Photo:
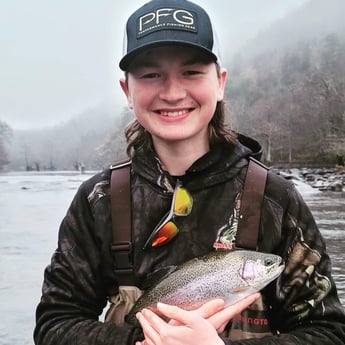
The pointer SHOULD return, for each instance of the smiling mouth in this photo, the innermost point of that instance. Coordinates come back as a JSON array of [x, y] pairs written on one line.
[[174, 113]]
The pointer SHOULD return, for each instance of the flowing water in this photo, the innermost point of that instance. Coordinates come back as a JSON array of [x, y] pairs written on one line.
[[328, 209], [31, 208]]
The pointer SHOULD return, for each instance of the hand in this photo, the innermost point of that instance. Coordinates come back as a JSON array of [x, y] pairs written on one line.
[[199, 326], [190, 328]]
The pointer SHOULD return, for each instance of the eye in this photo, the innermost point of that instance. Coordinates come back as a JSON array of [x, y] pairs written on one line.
[[192, 72], [268, 262], [150, 75]]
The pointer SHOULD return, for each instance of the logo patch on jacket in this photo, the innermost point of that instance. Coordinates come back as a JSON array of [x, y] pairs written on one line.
[[226, 235]]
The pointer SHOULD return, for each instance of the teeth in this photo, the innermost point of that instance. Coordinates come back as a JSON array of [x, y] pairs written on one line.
[[174, 113]]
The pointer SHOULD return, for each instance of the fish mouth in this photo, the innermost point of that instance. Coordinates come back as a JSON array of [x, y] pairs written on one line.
[[280, 270], [275, 272]]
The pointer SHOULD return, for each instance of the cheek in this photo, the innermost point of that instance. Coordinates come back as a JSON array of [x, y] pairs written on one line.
[[141, 97], [210, 94], [138, 96]]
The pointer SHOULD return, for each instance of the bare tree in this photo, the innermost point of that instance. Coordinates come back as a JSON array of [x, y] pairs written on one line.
[[5, 136]]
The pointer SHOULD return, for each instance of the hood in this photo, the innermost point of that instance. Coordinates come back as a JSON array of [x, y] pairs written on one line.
[[221, 163], [252, 144]]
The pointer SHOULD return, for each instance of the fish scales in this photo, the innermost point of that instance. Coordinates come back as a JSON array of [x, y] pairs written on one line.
[[230, 275]]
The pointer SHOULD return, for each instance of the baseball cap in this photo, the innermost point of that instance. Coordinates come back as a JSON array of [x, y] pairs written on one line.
[[168, 22]]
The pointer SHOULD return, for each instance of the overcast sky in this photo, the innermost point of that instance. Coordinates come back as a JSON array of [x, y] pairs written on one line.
[[58, 58]]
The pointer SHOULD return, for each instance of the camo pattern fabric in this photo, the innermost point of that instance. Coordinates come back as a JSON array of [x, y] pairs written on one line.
[[302, 306]]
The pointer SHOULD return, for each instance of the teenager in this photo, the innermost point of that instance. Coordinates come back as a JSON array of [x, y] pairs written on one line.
[[174, 83]]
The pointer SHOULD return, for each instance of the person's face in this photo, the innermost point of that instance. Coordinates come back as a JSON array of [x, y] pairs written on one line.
[[173, 92]]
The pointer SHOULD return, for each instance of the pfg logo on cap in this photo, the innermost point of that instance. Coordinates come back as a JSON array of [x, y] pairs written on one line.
[[166, 18]]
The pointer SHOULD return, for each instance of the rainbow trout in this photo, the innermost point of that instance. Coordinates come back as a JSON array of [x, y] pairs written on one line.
[[230, 275]]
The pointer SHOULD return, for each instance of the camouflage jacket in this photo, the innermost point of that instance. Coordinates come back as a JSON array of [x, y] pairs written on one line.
[[301, 307]]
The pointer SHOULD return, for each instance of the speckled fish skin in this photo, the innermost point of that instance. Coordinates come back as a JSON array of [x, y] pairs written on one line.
[[230, 275]]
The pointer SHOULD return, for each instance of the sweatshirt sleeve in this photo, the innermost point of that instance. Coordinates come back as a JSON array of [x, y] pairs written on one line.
[[304, 307], [76, 283]]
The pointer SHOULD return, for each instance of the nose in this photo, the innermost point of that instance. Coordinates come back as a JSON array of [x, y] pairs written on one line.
[[172, 89]]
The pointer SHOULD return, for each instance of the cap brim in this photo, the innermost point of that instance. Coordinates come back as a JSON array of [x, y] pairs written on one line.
[[128, 58]]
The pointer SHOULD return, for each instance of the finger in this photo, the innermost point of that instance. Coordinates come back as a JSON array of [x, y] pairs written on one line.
[[210, 308], [153, 318], [205, 311], [245, 302], [177, 314], [174, 323], [150, 333], [229, 312], [221, 328]]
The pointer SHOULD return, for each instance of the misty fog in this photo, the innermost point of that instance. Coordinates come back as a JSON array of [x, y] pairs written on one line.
[[289, 64]]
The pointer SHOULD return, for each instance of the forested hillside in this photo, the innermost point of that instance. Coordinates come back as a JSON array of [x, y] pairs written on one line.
[[93, 139], [293, 101]]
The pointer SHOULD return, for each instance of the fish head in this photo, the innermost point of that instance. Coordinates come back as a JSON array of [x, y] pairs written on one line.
[[261, 269]]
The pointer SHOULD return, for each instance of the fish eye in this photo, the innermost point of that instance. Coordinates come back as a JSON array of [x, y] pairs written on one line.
[[268, 262]]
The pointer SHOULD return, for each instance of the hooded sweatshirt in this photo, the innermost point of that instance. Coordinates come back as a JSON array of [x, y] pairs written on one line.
[[301, 307]]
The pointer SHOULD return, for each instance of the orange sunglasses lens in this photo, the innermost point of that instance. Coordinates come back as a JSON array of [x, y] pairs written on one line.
[[166, 233]]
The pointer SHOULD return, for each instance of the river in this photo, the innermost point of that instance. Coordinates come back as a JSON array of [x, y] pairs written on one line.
[[328, 209], [31, 208]]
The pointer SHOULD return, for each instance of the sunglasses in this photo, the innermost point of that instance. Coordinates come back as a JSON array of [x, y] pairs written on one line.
[[167, 229]]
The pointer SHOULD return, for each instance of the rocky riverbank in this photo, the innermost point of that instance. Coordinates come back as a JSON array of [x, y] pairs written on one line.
[[323, 179]]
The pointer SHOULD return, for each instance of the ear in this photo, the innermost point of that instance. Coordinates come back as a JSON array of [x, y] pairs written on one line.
[[222, 83], [124, 87]]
